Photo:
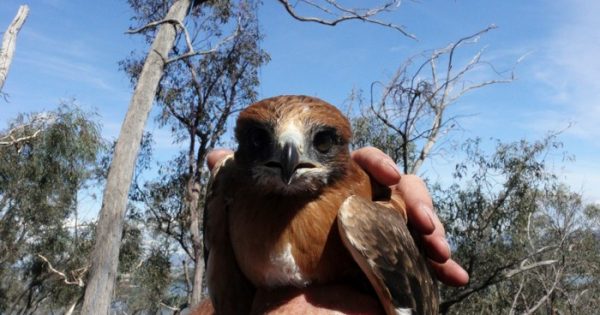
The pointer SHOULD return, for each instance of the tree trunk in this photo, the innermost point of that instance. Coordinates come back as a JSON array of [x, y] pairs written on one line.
[[9, 42], [193, 199], [105, 256]]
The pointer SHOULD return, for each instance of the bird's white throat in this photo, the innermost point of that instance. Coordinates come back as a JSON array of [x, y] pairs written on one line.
[[283, 270]]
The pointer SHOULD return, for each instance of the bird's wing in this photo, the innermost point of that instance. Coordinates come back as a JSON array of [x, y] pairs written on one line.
[[229, 290], [381, 244]]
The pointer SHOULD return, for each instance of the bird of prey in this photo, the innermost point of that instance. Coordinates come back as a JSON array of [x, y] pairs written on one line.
[[290, 208]]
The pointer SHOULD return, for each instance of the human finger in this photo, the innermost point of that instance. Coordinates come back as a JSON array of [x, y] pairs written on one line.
[[450, 273], [377, 164], [419, 210], [213, 157], [419, 207]]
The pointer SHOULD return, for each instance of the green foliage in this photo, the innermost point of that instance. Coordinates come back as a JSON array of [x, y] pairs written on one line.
[[52, 158], [151, 280], [520, 234], [370, 131], [131, 248]]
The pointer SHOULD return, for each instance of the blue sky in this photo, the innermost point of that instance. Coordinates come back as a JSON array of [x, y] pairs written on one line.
[[70, 49]]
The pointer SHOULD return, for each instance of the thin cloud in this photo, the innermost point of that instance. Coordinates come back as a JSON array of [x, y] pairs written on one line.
[[67, 69], [569, 69], [60, 47], [66, 59]]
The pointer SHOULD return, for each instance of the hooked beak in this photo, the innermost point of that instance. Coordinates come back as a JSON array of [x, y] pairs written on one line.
[[290, 158], [289, 161]]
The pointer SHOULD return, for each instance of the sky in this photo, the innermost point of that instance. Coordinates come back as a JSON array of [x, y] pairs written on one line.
[[70, 50]]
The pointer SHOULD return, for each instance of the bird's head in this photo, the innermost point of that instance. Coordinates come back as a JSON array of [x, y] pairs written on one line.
[[292, 144]]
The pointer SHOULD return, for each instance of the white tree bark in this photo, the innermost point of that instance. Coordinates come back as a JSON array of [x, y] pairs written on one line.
[[9, 42], [105, 256]]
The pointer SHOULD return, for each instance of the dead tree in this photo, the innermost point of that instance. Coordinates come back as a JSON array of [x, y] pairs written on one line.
[[9, 42], [105, 256], [412, 106]]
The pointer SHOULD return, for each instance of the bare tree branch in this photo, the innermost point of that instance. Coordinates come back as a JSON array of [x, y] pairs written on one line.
[[412, 105], [516, 297], [500, 274], [12, 140], [38, 123], [523, 267], [346, 14], [191, 51], [71, 308], [157, 23], [172, 308], [77, 274], [549, 292]]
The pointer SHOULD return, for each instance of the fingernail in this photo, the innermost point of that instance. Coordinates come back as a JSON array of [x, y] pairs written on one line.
[[392, 166], [428, 211], [447, 247]]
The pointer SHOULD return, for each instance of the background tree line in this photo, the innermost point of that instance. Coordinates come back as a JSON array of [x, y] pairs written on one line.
[[528, 241]]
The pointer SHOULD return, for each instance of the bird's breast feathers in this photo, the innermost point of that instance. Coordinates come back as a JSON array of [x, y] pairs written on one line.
[[286, 240]]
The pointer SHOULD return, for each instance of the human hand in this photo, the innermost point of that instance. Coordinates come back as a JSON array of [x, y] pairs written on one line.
[[419, 211]]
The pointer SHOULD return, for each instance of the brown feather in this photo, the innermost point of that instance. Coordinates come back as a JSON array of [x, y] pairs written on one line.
[[379, 240]]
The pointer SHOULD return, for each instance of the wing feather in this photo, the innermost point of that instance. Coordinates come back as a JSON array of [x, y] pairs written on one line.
[[380, 242]]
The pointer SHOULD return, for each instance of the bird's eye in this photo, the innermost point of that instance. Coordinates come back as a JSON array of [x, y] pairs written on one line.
[[324, 140], [259, 138]]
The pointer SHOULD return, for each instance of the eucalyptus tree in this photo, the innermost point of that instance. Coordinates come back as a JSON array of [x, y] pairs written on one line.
[[525, 239], [51, 158]]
